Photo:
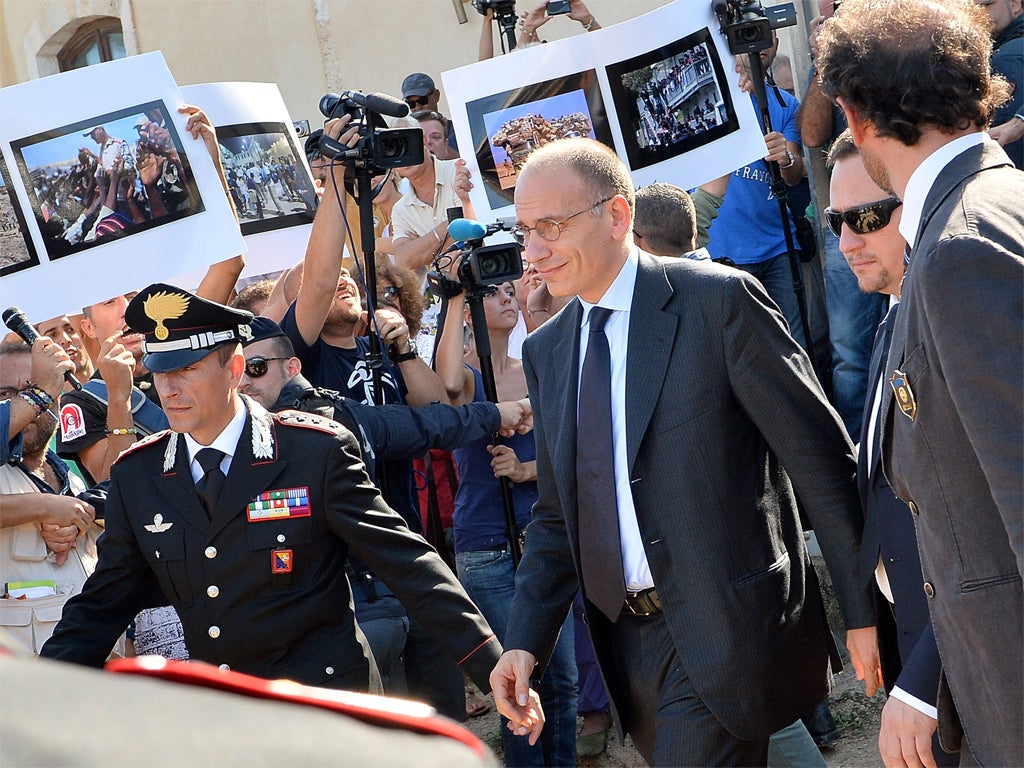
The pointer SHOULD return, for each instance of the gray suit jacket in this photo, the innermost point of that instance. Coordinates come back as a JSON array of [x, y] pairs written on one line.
[[719, 399], [960, 461]]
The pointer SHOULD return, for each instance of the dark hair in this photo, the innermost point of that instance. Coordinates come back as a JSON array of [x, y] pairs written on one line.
[[410, 296], [14, 347], [428, 114], [841, 148], [281, 346], [904, 64], [665, 218]]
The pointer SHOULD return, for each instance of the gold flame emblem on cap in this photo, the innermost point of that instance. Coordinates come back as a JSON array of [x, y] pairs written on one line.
[[164, 306]]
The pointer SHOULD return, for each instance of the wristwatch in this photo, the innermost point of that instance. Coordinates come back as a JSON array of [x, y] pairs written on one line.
[[410, 354], [792, 160]]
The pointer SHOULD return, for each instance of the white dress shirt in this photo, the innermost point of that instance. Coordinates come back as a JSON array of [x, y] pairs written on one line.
[[618, 298], [226, 442]]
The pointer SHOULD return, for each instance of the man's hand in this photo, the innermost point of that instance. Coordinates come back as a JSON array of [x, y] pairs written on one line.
[[65, 511], [462, 183], [863, 647], [1008, 132], [59, 539], [506, 464], [777, 145], [905, 738], [510, 685], [516, 416], [49, 362], [391, 326], [117, 366]]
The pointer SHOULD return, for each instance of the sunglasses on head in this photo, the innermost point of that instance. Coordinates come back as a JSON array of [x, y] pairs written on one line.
[[863, 219], [417, 101], [255, 367]]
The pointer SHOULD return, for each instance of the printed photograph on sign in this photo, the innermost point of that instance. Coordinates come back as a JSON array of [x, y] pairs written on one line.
[[508, 126], [671, 100], [106, 178], [17, 251], [514, 133], [270, 187]]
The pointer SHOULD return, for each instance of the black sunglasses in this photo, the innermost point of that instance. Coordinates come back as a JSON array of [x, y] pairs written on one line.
[[257, 366], [863, 219], [417, 101]]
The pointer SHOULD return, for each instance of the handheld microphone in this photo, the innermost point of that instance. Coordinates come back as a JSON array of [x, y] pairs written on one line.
[[15, 319], [380, 103], [467, 229]]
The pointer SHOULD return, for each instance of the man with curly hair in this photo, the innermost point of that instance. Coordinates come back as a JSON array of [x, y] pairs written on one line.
[[914, 81]]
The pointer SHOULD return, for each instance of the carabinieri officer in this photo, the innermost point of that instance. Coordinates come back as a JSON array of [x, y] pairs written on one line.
[[242, 520]]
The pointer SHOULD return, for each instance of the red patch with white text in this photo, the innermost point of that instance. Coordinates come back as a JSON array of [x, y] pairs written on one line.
[[72, 423], [281, 561]]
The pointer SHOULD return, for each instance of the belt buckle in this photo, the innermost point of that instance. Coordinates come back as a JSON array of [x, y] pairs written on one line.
[[643, 603]]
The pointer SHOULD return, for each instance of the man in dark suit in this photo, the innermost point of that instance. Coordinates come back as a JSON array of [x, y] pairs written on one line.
[[244, 520], [699, 594], [865, 220], [952, 436]]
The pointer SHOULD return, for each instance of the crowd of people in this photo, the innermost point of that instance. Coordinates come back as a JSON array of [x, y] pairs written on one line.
[[586, 490]]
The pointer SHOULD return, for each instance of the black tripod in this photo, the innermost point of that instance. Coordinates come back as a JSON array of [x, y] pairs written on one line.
[[482, 341], [780, 192]]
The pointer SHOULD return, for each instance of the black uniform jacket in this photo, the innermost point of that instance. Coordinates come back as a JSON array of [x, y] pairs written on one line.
[[261, 590]]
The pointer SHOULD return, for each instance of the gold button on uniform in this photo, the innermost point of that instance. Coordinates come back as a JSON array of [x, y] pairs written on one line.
[[929, 589], [214, 632], [211, 552], [913, 508], [213, 590]]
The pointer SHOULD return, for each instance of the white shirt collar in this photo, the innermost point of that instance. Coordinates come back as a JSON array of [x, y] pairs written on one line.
[[619, 295], [226, 441], [923, 178]]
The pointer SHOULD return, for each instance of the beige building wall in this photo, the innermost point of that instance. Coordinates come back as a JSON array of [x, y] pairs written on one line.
[[307, 47]]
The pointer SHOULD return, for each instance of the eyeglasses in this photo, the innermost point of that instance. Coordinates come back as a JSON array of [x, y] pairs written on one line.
[[388, 295], [863, 219], [255, 367], [549, 229], [417, 101]]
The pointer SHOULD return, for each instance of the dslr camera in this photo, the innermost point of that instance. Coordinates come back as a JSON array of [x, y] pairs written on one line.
[[748, 25], [380, 148]]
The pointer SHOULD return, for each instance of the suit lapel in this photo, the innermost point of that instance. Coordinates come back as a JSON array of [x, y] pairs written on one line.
[[651, 335], [254, 467]]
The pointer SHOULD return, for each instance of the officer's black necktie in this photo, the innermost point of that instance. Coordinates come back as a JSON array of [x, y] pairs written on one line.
[[210, 483], [600, 553]]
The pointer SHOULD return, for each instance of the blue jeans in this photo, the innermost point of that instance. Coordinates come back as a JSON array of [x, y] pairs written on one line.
[[489, 579], [853, 318], [776, 276]]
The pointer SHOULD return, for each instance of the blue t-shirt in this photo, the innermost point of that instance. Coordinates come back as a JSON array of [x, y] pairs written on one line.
[[749, 227], [479, 516], [346, 371]]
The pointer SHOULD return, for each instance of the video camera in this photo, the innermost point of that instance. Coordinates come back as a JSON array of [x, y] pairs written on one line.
[[748, 25], [481, 267], [380, 148], [504, 13]]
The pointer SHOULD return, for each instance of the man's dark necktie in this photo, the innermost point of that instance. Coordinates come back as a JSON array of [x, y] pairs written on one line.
[[210, 483], [600, 553]]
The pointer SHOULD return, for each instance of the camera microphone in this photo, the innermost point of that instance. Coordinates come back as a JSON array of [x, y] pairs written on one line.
[[380, 103], [467, 229], [15, 319]]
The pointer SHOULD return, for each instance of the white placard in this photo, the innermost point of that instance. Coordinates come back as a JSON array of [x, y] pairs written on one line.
[[660, 89], [181, 222], [256, 133]]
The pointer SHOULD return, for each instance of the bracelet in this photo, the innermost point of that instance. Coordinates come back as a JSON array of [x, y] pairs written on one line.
[[439, 240], [30, 398], [128, 431], [590, 23]]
